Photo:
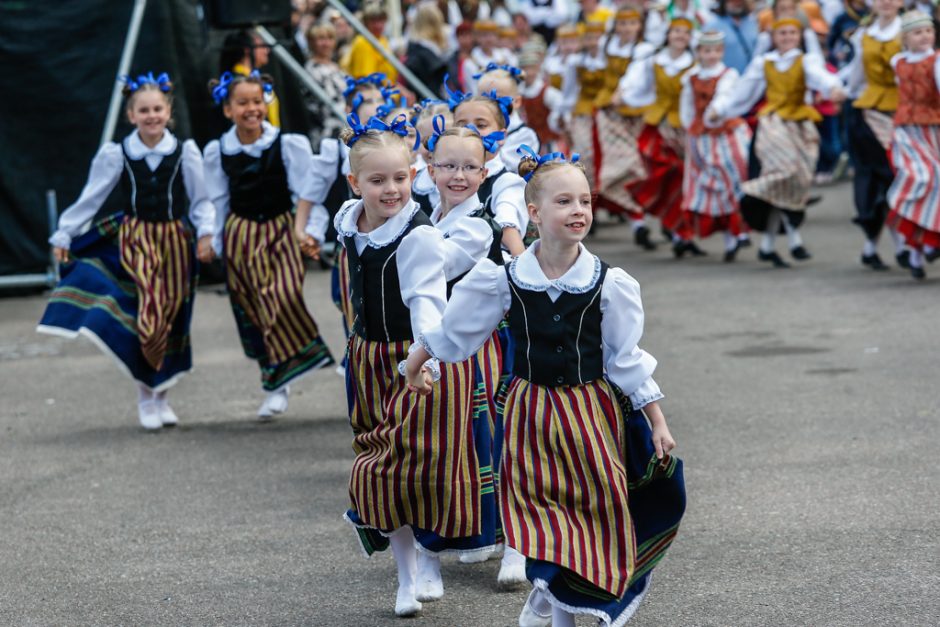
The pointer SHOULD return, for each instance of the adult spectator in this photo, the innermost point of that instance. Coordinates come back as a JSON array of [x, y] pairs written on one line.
[[545, 15], [321, 41], [426, 54], [242, 52], [363, 58], [735, 19]]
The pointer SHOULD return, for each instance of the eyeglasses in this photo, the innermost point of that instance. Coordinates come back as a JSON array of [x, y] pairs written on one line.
[[450, 168]]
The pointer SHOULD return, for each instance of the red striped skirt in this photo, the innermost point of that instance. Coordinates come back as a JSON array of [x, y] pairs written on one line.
[[415, 460], [914, 196], [158, 256], [660, 193], [563, 484]]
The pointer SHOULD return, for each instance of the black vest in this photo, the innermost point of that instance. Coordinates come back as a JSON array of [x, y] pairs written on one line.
[[155, 195], [557, 343], [495, 253], [424, 201], [486, 191], [380, 313], [258, 187]]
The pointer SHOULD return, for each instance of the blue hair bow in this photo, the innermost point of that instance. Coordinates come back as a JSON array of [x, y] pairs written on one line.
[[220, 91], [527, 153], [162, 81], [491, 141], [504, 102], [399, 126], [513, 71], [376, 78], [454, 98], [438, 123]]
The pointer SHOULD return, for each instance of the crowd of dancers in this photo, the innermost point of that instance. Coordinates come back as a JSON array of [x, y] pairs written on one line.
[[499, 399]]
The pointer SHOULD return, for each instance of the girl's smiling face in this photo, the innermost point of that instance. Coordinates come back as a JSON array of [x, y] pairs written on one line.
[[678, 38], [457, 169], [786, 38], [920, 39], [481, 115], [563, 214], [627, 30], [246, 107], [383, 180], [150, 113]]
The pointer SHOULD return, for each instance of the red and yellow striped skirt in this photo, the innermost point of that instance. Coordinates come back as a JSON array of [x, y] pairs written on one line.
[[415, 460], [563, 483], [158, 256]]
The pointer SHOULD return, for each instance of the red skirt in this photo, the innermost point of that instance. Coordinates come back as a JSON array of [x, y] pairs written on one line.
[[660, 193]]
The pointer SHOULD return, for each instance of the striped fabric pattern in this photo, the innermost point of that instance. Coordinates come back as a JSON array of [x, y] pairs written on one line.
[[881, 125], [345, 299], [563, 487], [787, 151], [158, 256], [660, 193], [619, 161], [415, 459], [715, 166], [915, 193], [582, 134], [265, 274]]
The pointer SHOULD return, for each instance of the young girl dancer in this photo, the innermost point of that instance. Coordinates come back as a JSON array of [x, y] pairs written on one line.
[[655, 84], [619, 126], [588, 492], [503, 82], [255, 175], [716, 155], [424, 191], [871, 82], [416, 474], [502, 192], [914, 197], [539, 100], [786, 140], [130, 281]]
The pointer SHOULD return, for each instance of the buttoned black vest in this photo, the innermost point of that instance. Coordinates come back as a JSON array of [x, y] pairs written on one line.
[[258, 187], [155, 195], [380, 313], [486, 191], [557, 343], [495, 253]]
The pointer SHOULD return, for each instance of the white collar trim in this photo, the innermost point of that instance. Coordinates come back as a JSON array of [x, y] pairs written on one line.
[[886, 33], [580, 277], [382, 236], [231, 146], [137, 149], [673, 66], [460, 211]]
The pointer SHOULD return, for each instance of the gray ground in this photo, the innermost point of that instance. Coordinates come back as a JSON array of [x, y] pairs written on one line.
[[804, 402]]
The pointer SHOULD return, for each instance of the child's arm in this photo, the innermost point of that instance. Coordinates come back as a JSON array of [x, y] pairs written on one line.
[[637, 88], [687, 102], [217, 190], [747, 92], [201, 209], [509, 211], [818, 78], [310, 225], [662, 438], [102, 177]]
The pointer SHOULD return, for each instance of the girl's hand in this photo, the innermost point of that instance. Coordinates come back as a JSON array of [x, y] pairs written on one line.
[[308, 245], [663, 441], [204, 252], [417, 376], [61, 254], [420, 384], [837, 96], [712, 118]]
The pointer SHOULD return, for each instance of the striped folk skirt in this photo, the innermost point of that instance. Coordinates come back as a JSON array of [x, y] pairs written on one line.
[[340, 289], [584, 497], [914, 196], [660, 193], [865, 132], [130, 289], [619, 162], [715, 166], [787, 152], [265, 275], [583, 138], [416, 463]]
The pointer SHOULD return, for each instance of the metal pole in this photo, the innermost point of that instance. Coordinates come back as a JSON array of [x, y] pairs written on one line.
[[51, 277], [52, 212], [130, 45], [417, 85], [284, 55]]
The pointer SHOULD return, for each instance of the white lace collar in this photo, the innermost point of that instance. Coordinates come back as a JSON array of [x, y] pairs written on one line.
[[711, 72], [347, 225], [776, 55], [886, 33], [580, 278], [460, 211], [670, 65], [137, 149], [231, 145], [915, 57], [635, 49]]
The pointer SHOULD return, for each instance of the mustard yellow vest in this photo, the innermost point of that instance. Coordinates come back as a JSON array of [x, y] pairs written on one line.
[[616, 68], [786, 93], [666, 105], [592, 82], [881, 92]]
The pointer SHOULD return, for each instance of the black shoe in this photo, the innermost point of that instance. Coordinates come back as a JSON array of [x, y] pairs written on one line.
[[918, 273], [680, 248], [933, 255], [874, 262], [774, 258], [744, 243], [694, 250], [642, 238], [904, 259], [812, 200], [800, 254], [667, 234], [730, 255]]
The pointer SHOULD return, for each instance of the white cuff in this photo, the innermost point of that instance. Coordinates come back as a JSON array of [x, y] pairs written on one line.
[[647, 393], [61, 239]]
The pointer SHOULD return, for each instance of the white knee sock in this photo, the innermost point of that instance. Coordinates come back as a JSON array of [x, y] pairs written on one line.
[[898, 240], [637, 224], [561, 618], [917, 258], [406, 559], [870, 247], [770, 234], [731, 242], [144, 393], [160, 397], [793, 234]]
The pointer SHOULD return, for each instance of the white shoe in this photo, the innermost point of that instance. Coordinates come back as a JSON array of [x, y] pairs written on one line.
[[475, 557], [167, 415], [430, 586], [511, 570], [406, 604], [149, 415], [274, 403], [530, 618], [341, 371]]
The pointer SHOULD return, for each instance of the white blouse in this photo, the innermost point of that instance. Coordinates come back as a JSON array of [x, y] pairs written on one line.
[[916, 57], [298, 161], [517, 134], [106, 169], [423, 286], [424, 184], [752, 85], [638, 85], [485, 292], [462, 240], [508, 197], [633, 50], [726, 84], [853, 74]]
